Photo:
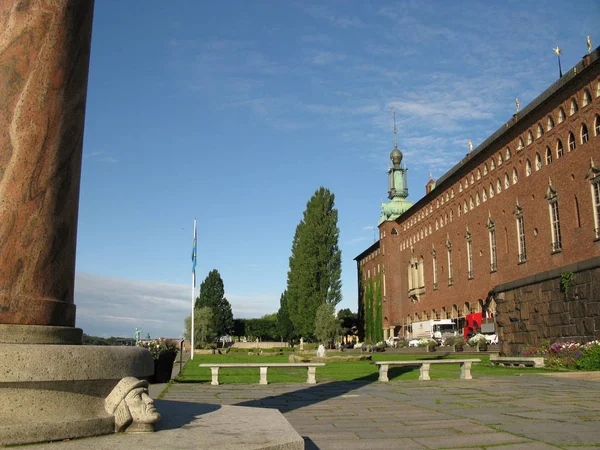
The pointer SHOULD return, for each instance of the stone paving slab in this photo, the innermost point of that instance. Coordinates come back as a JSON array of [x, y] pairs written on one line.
[[508, 413]]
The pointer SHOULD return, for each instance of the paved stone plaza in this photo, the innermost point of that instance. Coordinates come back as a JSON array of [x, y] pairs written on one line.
[[532, 412]]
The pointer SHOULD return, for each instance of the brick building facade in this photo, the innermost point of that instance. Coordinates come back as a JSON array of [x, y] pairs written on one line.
[[524, 202]]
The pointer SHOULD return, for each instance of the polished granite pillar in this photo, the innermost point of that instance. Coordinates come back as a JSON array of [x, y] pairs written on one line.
[[44, 59], [51, 386]]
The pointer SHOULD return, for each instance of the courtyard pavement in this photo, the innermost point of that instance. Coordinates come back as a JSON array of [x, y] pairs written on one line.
[[529, 412]]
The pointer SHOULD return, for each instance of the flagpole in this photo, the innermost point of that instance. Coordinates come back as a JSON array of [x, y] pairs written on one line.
[[193, 291]]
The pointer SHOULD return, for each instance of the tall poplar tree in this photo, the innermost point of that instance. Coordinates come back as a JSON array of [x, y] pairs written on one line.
[[314, 277], [284, 324], [212, 294]]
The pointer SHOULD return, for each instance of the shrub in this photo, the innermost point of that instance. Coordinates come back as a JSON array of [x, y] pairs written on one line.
[[476, 340], [455, 341], [590, 359], [428, 342]]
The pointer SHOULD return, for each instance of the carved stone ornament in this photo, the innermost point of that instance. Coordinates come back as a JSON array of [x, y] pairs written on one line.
[[132, 407]]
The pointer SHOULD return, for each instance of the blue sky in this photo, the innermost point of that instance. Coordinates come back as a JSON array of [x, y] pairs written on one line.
[[236, 112]]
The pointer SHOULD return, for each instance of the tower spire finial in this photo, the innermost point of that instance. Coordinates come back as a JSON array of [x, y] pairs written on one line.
[[395, 130]]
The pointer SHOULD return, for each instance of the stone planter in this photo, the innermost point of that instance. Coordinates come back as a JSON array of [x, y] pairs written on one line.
[[458, 347], [163, 368], [482, 347]]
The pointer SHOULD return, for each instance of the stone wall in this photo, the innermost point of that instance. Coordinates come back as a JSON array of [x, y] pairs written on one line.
[[537, 308]]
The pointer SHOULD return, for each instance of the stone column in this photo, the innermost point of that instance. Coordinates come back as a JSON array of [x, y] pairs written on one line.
[[44, 58], [385, 334]]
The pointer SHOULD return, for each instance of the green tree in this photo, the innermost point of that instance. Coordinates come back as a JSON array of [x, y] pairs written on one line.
[[212, 295], [284, 324], [204, 332], [327, 326], [314, 277], [349, 321]]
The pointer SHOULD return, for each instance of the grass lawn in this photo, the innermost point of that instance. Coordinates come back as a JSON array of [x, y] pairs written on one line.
[[335, 371]]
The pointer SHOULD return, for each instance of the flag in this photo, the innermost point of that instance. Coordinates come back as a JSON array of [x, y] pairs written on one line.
[[194, 253]]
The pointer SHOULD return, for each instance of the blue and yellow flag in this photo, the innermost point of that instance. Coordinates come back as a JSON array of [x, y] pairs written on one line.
[[194, 250]]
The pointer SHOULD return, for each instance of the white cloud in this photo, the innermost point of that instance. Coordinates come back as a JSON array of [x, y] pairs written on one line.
[[116, 307]]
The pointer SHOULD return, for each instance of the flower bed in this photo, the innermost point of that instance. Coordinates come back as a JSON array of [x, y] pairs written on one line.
[[568, 355]]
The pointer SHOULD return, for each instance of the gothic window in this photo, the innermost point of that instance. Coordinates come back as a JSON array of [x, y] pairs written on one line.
[[584, 134], [484, 195], [538, 162], [552, 198], [540, 130], [446, 219], [437, 224], [548, 155], [447, 196], [561, 115], [587, 98], [491, 190], [470, 256], [559, 149], [466, 183], [521, 144], [515, 176], [460, 186], [465, 207], [508, 154], [528, 168], [550, 123], [574, 107], [451, 215], [572, 144], [506, 181], [529, 137], [458, 210], [493, 255], [596, 205], [429, 228], [472, 179], [485, 169], [521, 235], [500, 160], [471, 203], [435, 277], [394, 232], [450, 270], [492, 164], [477, 200], [478, 174], [452, 193], [498, 186]]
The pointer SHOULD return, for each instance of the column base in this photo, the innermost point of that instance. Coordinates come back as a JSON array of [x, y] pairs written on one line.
[[55, 392]]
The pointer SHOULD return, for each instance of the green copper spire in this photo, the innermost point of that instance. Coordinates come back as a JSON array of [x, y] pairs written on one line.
[[397, 185]]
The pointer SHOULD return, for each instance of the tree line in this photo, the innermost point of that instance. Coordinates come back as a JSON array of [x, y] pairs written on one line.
[[306, 307]]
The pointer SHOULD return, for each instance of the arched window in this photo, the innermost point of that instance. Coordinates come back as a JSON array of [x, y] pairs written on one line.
[[550, 123], [584, 134], [394, 232], [492, 164], [477, 199], [437, 224], [491, 190], [515, 176], [451, 215], [484, 195], [598, 89], [500, 160], [528, 168], [458, 210], [540, 130], [471, 202], [538, 162], [485, 167], [548, 155], [506, 181], [446, 219], [466, 183], [429, 228], [561, 115], [529, 137], [521, 144], [478, 174], [498, 186], [572, 144], [597, 126], [460, 186], [452, 193], [466, 309], [508, 154], [472, 179], [465, 207], [587, 98], [559, 149], [447, 196], [574, 107]]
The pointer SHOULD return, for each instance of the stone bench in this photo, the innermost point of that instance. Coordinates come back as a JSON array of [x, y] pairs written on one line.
[[519, 361], [214, 369], [465, 367]]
